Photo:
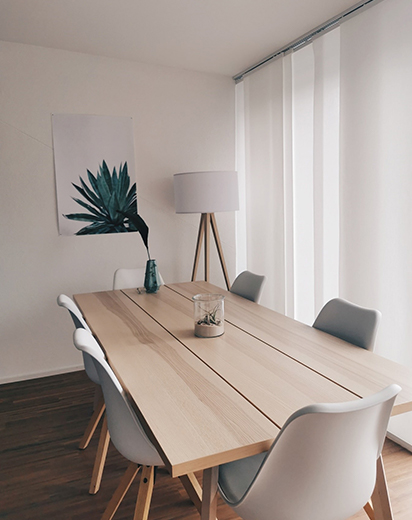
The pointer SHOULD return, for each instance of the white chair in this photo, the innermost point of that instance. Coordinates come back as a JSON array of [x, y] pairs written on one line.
[[248, 285], [99, 404], [130, 278], [128, 437], [350, 322], [321, 466]]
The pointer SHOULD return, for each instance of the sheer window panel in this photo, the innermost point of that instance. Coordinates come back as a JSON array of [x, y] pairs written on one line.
[[289, 132], [263, 107], [376, 117], [241, 219]]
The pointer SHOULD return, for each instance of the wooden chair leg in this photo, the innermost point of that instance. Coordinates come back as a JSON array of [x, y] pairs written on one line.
[[100, 459], [144, 495], [91, 427], [98, 394], [121, 490], [380, 498], [369, 510]]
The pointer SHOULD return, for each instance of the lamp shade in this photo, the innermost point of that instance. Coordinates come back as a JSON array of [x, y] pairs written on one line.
[[206, 192]]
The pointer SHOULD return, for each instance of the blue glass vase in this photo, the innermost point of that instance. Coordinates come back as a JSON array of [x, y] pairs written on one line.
[[151, 278]]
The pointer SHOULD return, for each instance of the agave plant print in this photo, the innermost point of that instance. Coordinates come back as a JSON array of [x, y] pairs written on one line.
[[95, 174], [107, 202]]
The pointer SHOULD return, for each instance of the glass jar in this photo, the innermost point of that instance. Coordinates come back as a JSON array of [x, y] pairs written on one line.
[[209, 315]]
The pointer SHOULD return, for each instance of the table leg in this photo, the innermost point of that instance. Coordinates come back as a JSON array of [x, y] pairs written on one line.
[[209, 494], [193, 489], [380, 497]]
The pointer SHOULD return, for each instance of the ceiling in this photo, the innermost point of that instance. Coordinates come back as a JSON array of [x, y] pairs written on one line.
[[215, 36]]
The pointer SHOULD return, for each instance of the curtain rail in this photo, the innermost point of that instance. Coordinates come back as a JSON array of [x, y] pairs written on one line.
[[308, 37]]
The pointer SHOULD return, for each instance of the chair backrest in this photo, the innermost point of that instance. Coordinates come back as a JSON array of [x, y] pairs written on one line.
[[76, 315], [248, 285], [130, 278], [125, 429], [322, 465], [78, 320], [350, 322]]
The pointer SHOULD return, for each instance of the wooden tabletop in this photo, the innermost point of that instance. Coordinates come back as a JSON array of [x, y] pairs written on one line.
[[358, 370], [194, 418], [204, 402]]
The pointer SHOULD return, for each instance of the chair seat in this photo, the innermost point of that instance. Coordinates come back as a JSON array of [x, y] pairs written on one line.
[[235, 477]]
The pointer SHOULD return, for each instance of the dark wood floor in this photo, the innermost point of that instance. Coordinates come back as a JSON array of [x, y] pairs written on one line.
[[43, 474]]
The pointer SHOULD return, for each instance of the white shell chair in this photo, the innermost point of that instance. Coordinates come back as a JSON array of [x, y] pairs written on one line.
[[350, 322], [130, 278], [126, 432], [321, 466], [248, 285], [78, 320]]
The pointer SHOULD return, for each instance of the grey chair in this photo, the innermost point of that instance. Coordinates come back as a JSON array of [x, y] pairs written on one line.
[[350, 322], [248, 285], [99, 404], [321, 466], [130, 278]]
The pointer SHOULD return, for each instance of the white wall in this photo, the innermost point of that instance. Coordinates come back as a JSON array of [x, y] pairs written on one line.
[[183, 121]]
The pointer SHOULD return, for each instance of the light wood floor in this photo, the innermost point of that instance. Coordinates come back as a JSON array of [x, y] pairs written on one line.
[[43, 475]]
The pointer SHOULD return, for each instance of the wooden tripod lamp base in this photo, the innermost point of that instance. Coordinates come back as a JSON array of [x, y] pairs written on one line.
[[207, 221], [207, 193]]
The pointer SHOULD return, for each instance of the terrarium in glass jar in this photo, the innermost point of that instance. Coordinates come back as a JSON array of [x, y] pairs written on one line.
[[209, 315]]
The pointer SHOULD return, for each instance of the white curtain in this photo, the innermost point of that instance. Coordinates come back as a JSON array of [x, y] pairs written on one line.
[[288, 162], [326, 162], [376, 176], [262, 176]]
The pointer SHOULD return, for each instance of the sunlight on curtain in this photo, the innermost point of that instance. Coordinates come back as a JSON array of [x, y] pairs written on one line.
[[303, 84], [288, 135], [326, 167], [240, 222], [263, 160], [376, 239], [327, 155], [288, 203]]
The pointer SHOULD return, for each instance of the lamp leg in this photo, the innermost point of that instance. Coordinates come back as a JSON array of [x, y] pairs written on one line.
[[219, 249], [207, 245], [198, 245], [208, 220]]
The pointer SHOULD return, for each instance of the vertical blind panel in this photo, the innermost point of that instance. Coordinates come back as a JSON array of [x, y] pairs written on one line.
[[376, 158], [240, 223], [264, 180], [288, 188], [376, 170], [326, 167], [302, 142]]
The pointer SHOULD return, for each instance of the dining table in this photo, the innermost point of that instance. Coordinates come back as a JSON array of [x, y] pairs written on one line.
[[208, 401]]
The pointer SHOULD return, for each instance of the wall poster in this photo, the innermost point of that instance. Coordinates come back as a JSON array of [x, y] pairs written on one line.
[[95, 174]]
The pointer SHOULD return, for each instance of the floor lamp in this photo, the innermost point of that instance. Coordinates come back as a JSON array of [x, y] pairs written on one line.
[[207, 193]]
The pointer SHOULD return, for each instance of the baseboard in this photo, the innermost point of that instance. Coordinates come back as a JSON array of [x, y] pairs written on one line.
[[399, 441], [26, 377]]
